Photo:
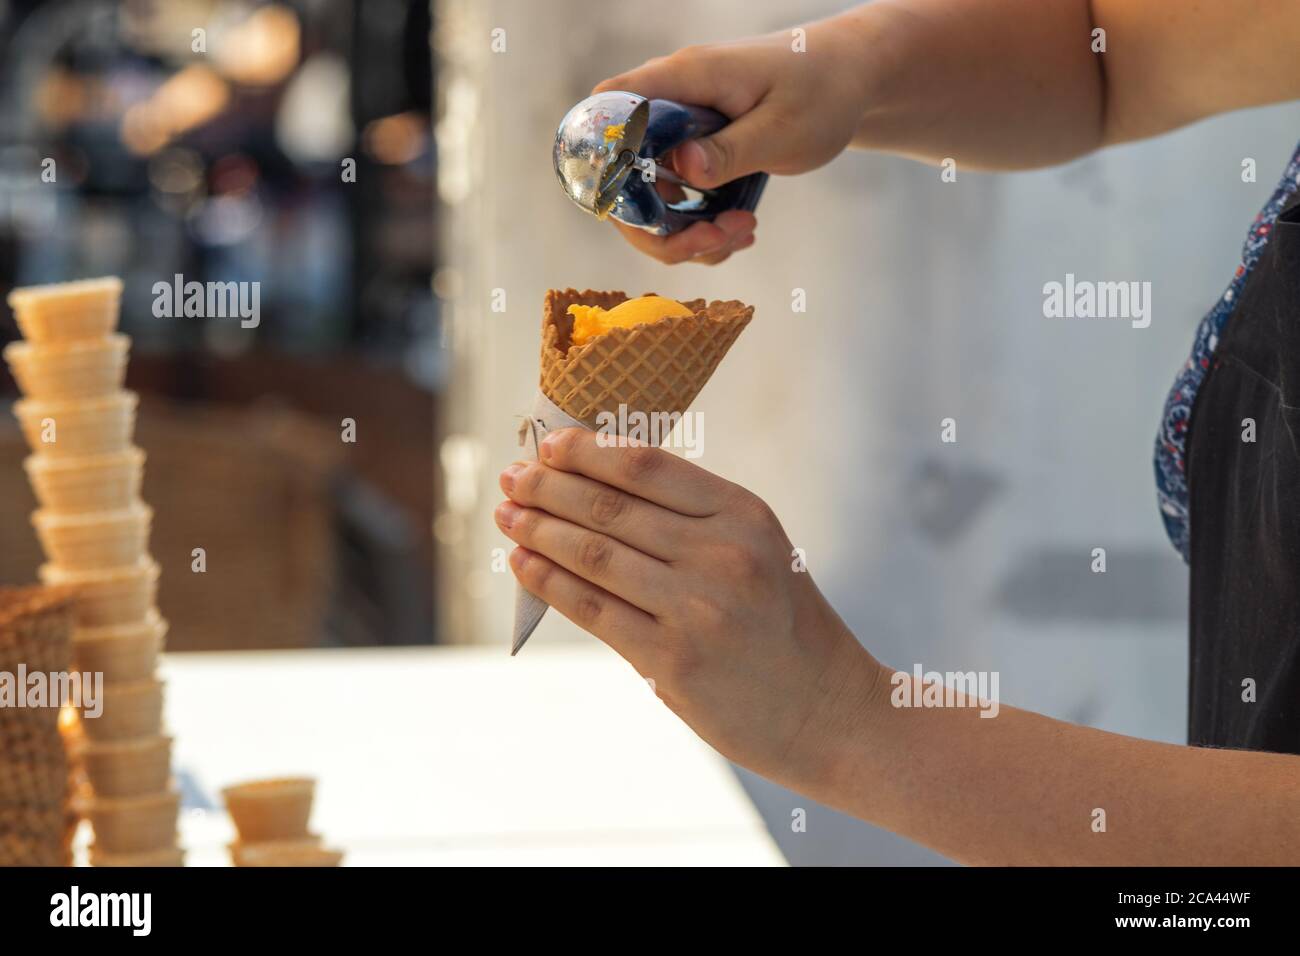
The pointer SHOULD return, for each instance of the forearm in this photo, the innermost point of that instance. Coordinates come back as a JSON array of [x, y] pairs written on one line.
[[1008, 84], [997, 84], [1023, 789]]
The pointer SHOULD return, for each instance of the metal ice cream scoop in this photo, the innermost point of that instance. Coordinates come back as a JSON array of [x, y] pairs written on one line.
[[607, 155]]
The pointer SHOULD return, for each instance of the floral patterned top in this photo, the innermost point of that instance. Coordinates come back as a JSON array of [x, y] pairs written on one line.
[[1171, 442]]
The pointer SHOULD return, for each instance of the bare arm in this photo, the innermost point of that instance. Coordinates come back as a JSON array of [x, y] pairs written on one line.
[[1022, 789], [1008, 84], [994, 84]]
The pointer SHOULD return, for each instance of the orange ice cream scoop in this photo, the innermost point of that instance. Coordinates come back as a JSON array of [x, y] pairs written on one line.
[[590, 321]]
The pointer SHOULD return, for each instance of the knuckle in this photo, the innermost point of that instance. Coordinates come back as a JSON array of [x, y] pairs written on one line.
[[537, 574], [639, 464], [607, 507], [524, 526], [588, 609], [725, 152], [752, 508], [594, 554], [783, 122], [561, 443], [686, 55], [703, 613], [531, 481], [744, 560]]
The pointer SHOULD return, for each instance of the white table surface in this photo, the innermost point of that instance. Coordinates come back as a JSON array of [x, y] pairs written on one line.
[[461, 756]]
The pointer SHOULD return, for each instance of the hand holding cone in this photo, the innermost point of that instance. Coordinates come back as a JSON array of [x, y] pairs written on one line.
[[654, 368]]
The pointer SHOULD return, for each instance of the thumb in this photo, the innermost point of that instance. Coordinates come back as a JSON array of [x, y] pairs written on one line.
[[743, 147]]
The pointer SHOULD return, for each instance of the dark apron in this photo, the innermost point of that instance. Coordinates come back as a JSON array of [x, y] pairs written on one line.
[[1245, 515]]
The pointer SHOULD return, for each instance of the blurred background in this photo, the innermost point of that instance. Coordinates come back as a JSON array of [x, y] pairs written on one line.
[[924, 303], [287, 144]]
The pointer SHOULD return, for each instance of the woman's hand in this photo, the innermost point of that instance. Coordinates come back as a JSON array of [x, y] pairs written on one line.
[[792, 110], [691, 579]]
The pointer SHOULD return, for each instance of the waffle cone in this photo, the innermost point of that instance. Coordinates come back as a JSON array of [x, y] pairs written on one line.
[[109, 596], [67, 311], [80, 485], [84, 541], [122, 653], [128, 710], [167, 856], [134, 824], [271, 810], [282, 853], [652, 368], [128, 768]]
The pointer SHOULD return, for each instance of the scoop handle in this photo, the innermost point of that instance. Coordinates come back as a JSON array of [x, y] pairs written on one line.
[[669, 125]]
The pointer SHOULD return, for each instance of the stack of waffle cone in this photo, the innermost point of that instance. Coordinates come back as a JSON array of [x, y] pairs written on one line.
[[36, 820], [654, 369], [271, 818], [94, 529]]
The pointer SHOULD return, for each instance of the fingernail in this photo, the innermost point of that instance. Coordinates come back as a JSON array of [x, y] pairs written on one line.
[[518, 558], [510, 474], [506, 513], [696, 156], [547, 448]]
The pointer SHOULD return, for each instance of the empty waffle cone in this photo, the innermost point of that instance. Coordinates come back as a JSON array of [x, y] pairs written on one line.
[[127, 710], [121, 652], [96, 426], [309, 842], [67, 311], [134, 824], [295, 853], [72, 485], [95, 539], [167, 856], [88, 368], [265, 810], [655, 369], [127, 768], [110, 595]]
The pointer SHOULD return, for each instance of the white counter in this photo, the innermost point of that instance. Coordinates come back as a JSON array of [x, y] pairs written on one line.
[[461, 756]]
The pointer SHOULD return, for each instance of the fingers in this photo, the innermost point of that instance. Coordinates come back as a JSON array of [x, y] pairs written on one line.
[[721, 77], [620, 625], [637, 578], [713, 260], [748, 145], [636, 522], [713, 76], [649, 473], [704, 242]]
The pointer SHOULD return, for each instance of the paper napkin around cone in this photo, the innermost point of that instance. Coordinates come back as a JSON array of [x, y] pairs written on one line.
[[655, 368]]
